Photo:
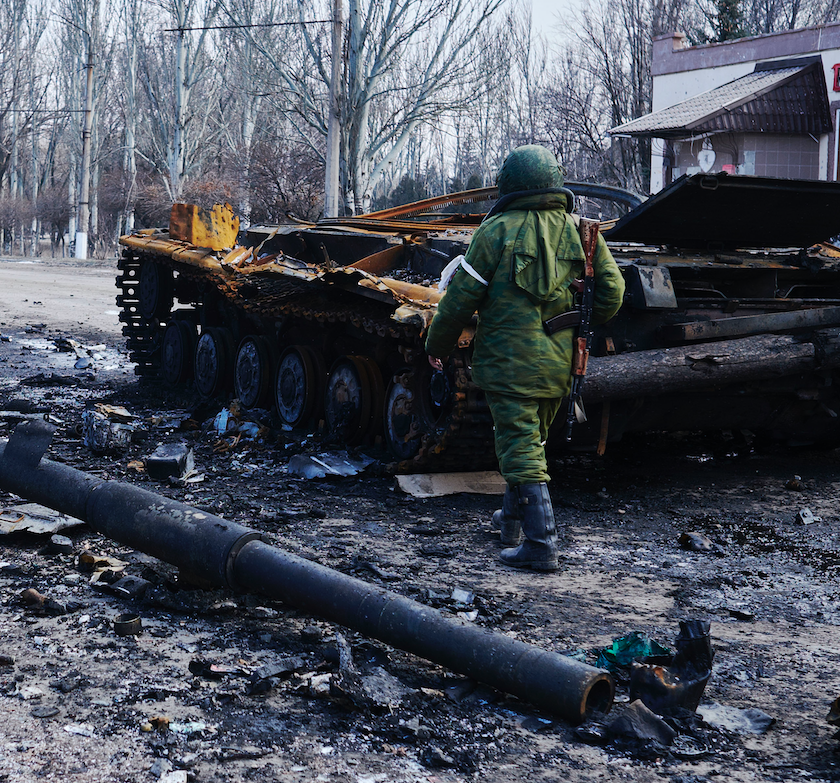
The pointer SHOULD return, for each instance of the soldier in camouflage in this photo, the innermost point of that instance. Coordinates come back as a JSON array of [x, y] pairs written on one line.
[[517, 273]]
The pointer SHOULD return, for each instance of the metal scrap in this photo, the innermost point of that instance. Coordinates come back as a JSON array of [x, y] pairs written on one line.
[[34, 518]]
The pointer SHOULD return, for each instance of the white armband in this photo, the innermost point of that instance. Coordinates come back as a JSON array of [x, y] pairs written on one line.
[[452, 267]]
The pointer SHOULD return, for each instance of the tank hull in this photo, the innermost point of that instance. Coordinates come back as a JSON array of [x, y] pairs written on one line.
[[325, 324]]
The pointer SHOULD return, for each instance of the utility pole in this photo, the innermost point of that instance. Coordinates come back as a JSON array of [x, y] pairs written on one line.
[[15, 185], [331, 174], [84, 189]]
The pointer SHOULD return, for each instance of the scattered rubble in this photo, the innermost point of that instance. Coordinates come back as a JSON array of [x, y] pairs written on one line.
[[283, 707]]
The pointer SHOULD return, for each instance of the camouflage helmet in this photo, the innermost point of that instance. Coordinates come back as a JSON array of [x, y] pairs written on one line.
[[531, 167]]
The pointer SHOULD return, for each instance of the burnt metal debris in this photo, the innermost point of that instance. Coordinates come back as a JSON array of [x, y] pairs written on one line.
[[213, 551], [128, 624], [668, 684], [730, 320]]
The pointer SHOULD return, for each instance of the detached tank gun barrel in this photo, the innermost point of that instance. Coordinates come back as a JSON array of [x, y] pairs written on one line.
[[217, 552]]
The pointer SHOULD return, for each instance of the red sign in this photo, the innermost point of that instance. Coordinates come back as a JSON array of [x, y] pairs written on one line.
[[836, 77]]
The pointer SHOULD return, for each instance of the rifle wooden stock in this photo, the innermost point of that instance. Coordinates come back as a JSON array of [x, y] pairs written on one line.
[[580, 354]]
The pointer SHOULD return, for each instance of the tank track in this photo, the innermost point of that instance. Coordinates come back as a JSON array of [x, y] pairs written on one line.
[[464, 437], [142, 335]]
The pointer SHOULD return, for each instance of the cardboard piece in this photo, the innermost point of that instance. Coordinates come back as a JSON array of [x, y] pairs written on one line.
[[431, 485]]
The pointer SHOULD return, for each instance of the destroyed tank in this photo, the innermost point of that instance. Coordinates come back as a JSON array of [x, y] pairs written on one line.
[[730, 321]]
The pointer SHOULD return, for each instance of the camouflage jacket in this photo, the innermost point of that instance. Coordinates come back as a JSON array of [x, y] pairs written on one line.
[[529, 254]]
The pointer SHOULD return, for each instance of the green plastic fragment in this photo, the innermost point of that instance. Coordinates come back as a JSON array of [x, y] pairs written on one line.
[[626, 649]]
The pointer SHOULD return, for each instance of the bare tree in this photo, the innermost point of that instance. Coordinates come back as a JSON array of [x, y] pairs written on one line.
[[38, 84], [241, 107], [87, 53], [603, 81], [403, 58], [133, 30], [525, 76], [22, 23], [181, 90]]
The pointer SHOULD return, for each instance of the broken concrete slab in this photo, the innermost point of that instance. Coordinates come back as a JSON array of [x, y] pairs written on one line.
[[431, 485], [34, 518]]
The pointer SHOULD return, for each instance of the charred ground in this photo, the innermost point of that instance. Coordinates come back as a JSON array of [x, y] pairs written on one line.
[[78, 699]]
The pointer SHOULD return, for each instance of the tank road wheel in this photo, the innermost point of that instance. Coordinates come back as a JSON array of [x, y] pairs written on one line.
[[213, 362], [299, 385], [155, 290], [177, 352], [403, 434], [377, 395], [255, 360], [347, 402], [434, 396]]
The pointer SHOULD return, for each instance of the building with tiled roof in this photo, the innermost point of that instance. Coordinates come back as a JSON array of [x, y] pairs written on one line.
[[763, 106]]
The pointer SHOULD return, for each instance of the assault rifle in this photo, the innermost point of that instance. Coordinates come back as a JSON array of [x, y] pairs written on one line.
[[582, 318]]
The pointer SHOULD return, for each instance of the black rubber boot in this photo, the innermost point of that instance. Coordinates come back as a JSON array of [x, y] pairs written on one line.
[[539, 549], [509, 519]]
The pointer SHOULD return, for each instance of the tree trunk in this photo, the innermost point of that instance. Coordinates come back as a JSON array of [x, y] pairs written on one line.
[[178, 150], [331, 172], [130, 158]]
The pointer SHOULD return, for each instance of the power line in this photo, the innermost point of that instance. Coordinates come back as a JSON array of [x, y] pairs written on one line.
[[243, 26]]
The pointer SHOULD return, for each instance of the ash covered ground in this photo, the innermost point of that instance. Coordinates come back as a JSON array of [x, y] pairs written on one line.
[[230, 687]]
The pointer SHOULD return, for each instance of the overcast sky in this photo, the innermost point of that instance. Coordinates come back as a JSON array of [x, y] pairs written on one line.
[[550, 17]]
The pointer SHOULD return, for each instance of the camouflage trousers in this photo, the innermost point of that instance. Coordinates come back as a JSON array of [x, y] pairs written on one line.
[[521, 428]]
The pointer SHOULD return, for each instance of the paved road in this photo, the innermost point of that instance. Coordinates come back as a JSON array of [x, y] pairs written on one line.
[[41, 300], [76, 297]]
